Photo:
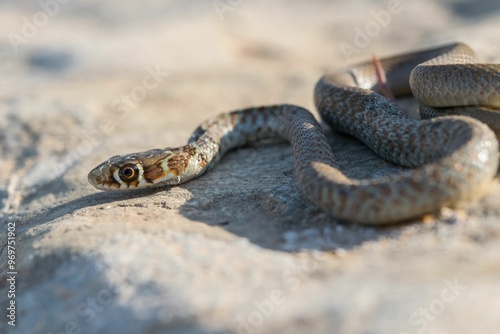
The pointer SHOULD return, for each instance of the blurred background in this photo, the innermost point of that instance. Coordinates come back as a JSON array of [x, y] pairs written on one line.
[[84, 80]]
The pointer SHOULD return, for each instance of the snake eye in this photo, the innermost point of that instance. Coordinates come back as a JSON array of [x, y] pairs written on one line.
[[128, 173]]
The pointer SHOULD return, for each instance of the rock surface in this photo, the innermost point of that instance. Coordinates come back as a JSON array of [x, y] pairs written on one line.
[[239, 249]]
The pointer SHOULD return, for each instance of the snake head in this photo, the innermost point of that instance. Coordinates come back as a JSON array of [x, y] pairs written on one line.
[[137, 170]]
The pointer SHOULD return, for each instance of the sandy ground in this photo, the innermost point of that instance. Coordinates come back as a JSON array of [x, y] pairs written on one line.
[[238, 250]]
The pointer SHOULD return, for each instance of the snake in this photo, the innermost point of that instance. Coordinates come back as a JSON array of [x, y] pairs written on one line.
[[451, 158]]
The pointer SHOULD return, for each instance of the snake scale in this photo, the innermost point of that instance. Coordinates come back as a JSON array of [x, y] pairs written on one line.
[[454, 158]]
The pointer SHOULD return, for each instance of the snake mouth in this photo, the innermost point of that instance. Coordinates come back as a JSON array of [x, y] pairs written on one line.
[[102, 178]]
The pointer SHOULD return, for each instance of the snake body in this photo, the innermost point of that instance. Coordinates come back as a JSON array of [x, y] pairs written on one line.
[[454, 157]]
